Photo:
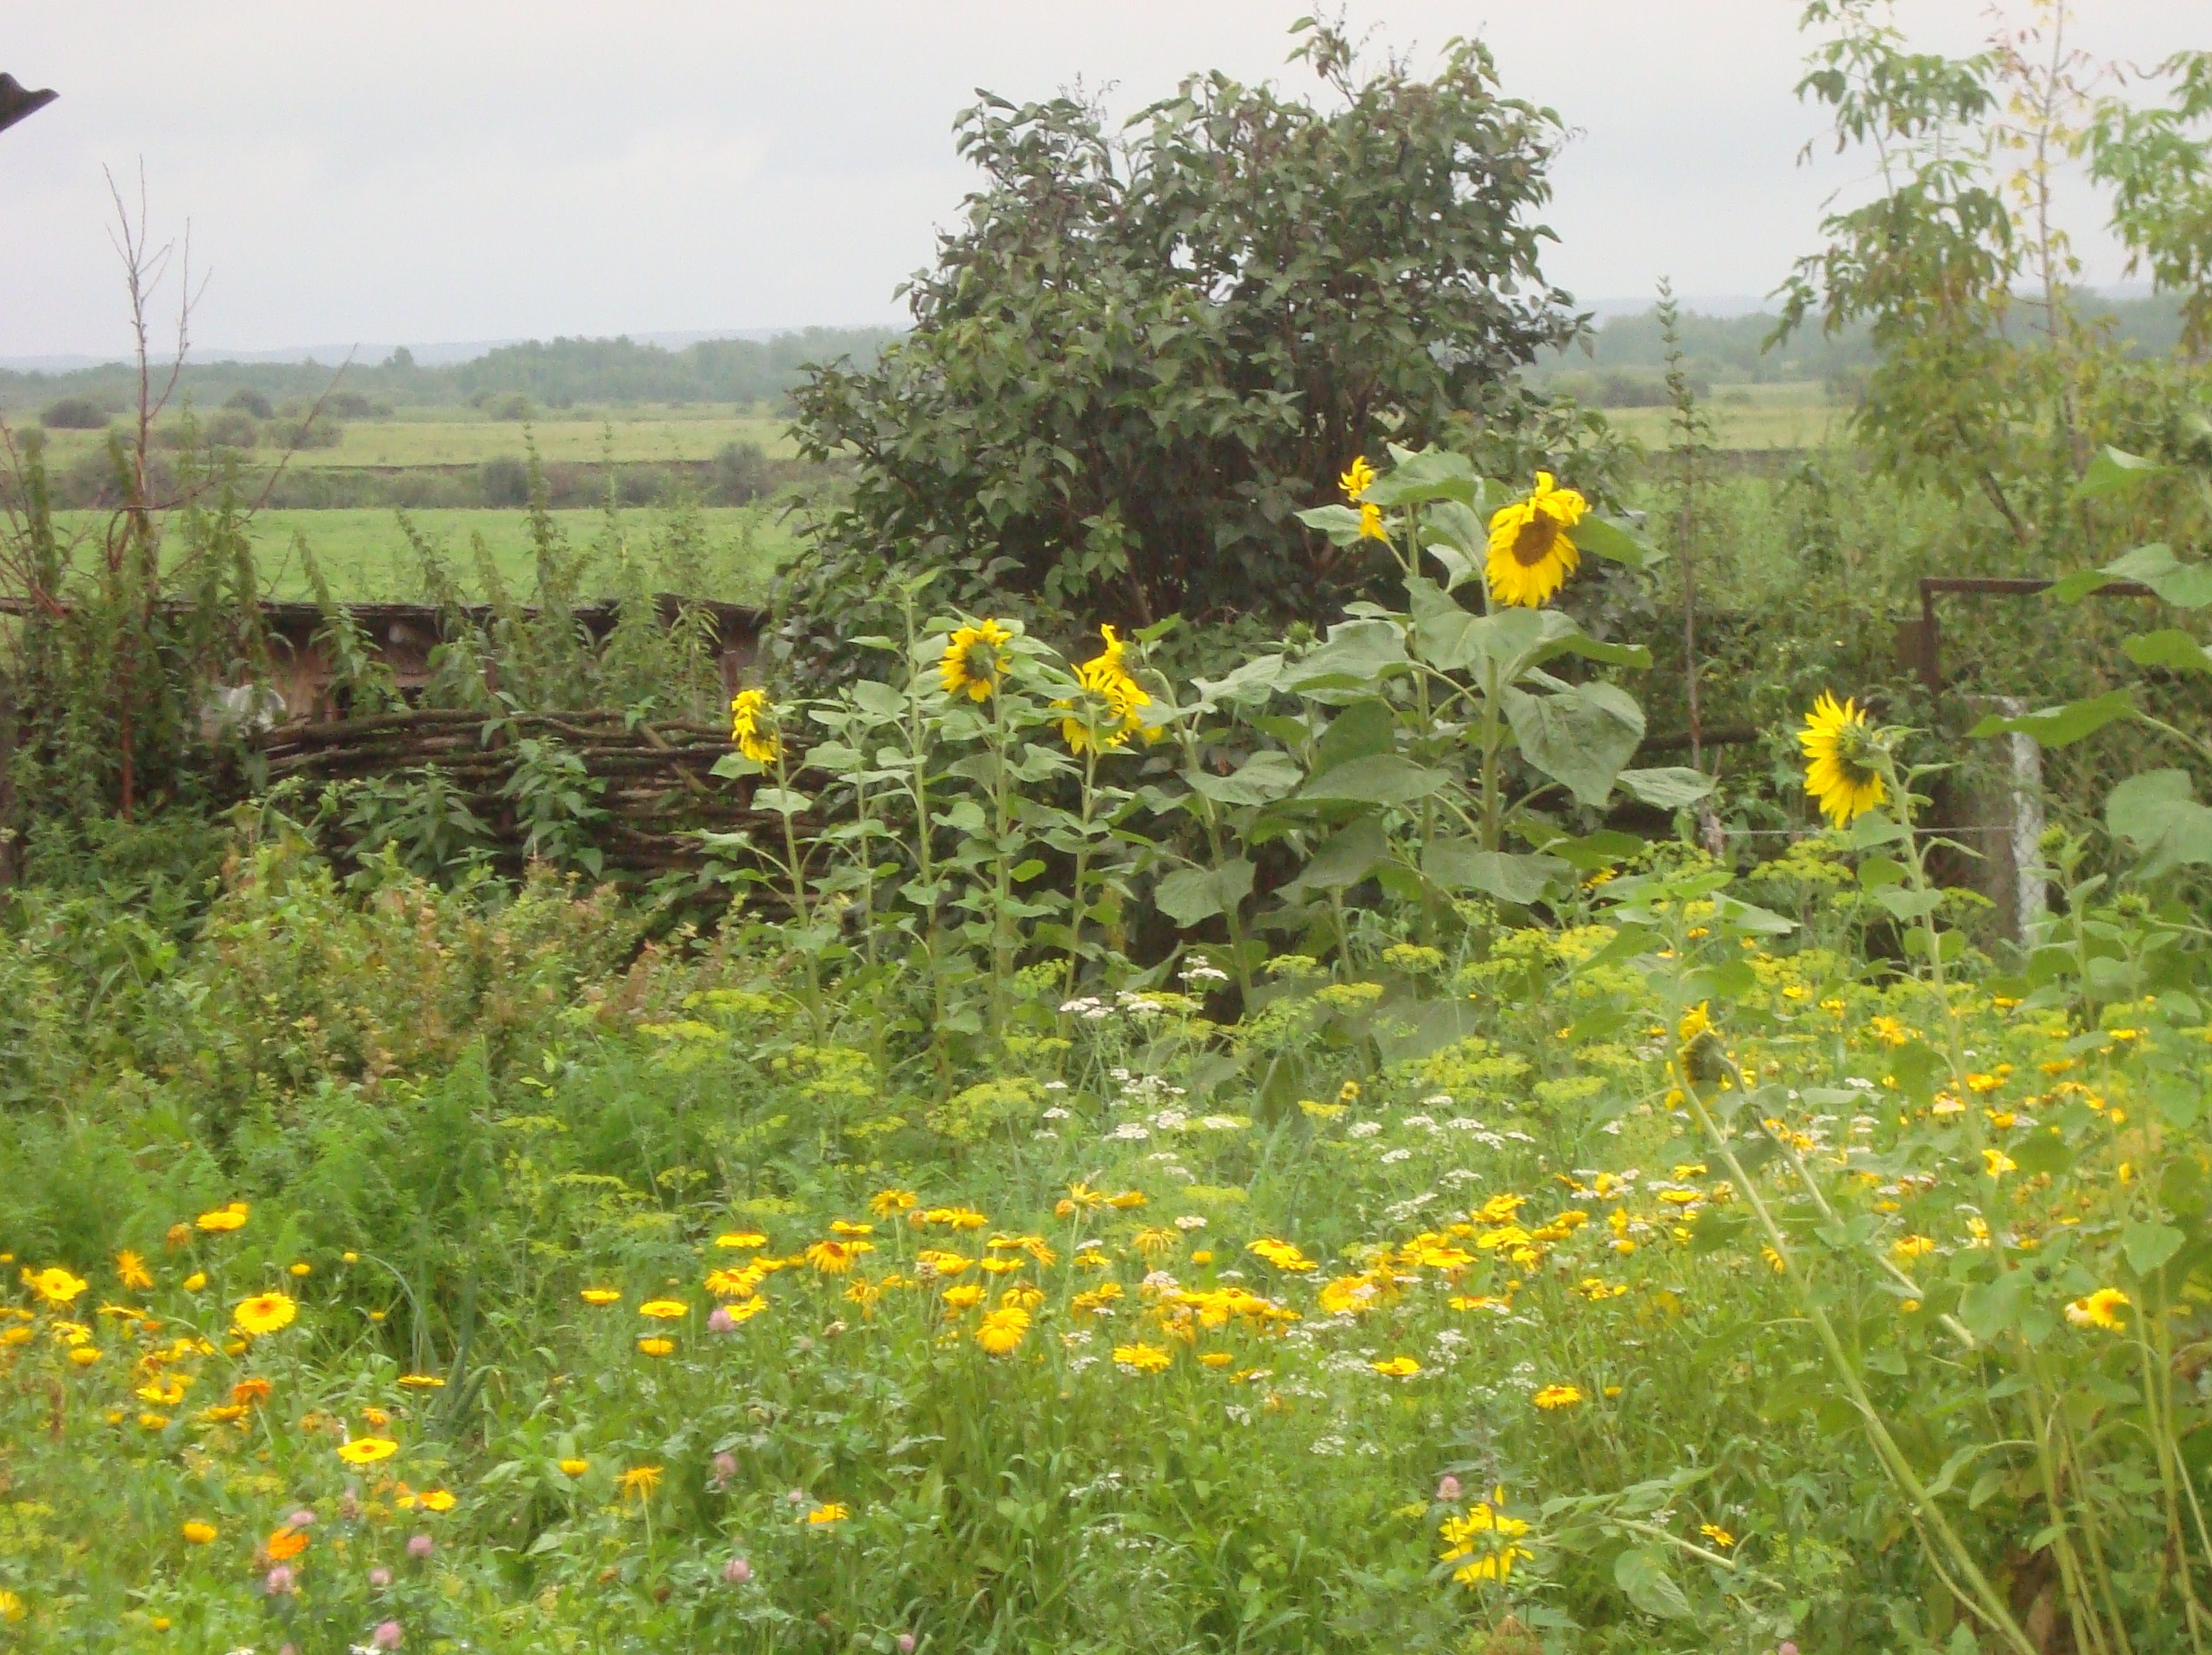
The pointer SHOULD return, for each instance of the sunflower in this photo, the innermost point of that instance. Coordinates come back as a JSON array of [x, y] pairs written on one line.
[[1356, 478], [976, 660], [2101, 1309], [1530, 551], [1841, 750], [264, 1312], [1123, 700], [752, 726]]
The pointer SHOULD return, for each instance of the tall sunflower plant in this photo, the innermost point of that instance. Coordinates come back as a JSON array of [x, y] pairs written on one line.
[[1444, 747]]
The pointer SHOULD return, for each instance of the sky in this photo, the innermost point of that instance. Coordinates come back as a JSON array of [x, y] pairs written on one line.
[[419, 171]]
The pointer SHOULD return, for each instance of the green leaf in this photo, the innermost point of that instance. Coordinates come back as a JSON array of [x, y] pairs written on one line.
[[2149, 1245], [2185, 586], [783, 801], [1344, 861], [2063, 726], [1463, 865], [1417, 478], [1339, 523], [1640, 1573], [1991, 1308], [1670, 789], [2114, 471], [1355, 656], [1191, 895], [1616, 542], [1581, 736], [2158, 813], [1264, 777], [2172, 649], [1378, 779]]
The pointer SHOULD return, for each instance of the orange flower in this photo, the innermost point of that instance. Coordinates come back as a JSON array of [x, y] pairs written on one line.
[[285, 1545]]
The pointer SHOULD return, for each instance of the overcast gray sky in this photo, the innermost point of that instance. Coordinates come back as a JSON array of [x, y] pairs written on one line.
[[427, 170]]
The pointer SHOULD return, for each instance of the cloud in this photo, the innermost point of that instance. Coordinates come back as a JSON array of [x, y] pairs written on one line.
[[420, 171]]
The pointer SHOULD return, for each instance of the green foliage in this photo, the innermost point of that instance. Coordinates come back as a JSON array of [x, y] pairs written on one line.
[[1141, 355]]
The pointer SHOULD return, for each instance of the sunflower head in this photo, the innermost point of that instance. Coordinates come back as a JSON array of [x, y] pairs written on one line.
[[975, 660], [1118, 700], [1357, 476], [1531, 553], [752, 726], [1842, 758]]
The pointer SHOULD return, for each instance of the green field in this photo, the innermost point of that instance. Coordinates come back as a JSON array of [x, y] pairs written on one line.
[[1792, 416], [422, 438], [365, 555]]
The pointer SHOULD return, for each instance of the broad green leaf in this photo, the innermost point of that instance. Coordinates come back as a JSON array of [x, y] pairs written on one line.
[[1463, 865], [783, 801], [1261, 779], [1614, 541], [1641, 1573], [1379, 779], [1190, 895], [1431, 473], [1669, 788], [1581, 737], [1355, 656], [2149, 1245], [1363, 728], [1344, 861], [1339, 523], [2114, 471], [2158, 813], [2063, 726], [1909, 906], [1252, 683], [2172, 649], [1991, 1309], [2185, 586]]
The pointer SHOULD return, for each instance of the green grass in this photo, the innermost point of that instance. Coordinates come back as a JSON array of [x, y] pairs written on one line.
[[366, 557], [1796, 416], [639, 434]]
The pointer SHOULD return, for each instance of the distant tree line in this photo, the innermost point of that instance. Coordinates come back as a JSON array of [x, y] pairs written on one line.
[[512, 381], [1621, 361]]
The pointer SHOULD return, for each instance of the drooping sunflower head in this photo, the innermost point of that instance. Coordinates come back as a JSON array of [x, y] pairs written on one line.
[[1118, 701], [975, 660], [752, 726], [1531, 553], [1843, 754]]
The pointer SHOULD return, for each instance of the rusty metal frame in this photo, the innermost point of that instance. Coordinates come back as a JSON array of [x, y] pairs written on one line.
[[1934, 586]]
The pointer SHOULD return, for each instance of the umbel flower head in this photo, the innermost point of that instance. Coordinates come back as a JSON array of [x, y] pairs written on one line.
[[1841, 752], [975, 660], [1532, 554], [752, 725]]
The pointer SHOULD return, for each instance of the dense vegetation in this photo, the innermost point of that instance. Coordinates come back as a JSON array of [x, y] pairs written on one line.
[[554, 375], [1167, 1132]]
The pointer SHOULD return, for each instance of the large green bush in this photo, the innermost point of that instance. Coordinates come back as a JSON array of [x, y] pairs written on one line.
[[1144, 350]]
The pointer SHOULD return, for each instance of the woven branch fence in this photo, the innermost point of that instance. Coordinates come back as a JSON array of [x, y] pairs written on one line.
[[655, 778]]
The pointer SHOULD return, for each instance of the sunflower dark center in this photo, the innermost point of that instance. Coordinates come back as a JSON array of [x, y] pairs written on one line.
[[1534, 542]]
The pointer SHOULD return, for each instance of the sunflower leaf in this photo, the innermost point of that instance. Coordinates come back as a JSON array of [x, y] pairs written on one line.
[[1613, 540], [2063, 726], [2114, 471]]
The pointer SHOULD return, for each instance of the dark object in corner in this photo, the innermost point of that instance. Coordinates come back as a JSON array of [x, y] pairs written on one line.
[[18, 100]]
